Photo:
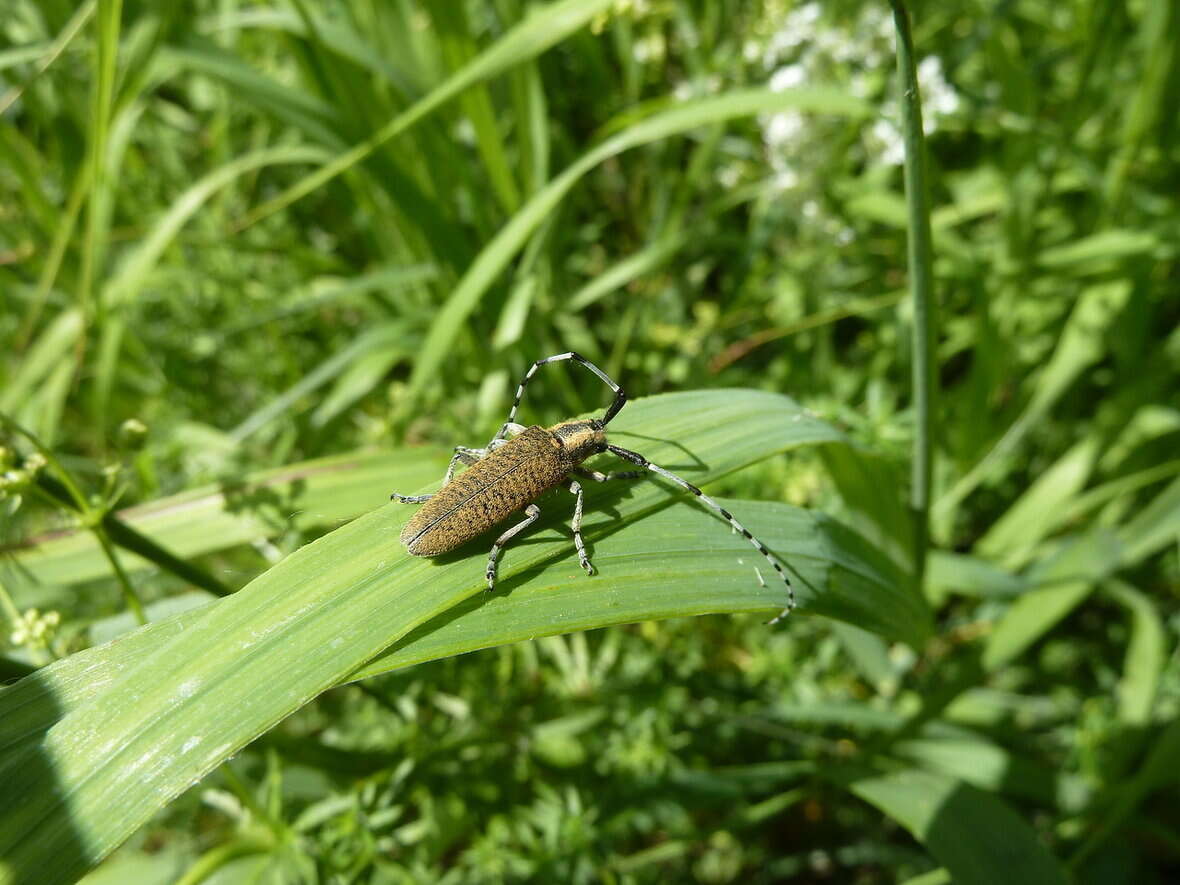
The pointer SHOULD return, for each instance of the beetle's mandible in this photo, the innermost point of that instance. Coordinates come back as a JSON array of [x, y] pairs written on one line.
[[509, 474]]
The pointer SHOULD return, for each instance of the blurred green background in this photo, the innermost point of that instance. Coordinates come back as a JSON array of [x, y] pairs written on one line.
[[187, 301]]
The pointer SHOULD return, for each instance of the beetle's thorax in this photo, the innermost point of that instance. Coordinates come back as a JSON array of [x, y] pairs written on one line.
[[579, 439]]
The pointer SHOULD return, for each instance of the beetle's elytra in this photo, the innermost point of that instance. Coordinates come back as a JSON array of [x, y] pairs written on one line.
[[515, 474], [511, 473]]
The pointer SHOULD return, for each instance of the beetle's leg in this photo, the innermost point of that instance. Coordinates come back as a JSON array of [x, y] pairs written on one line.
[[497, 440], [607, 477], [462, 454], [583, 559], [465, 455], [532, 511], [636, 458]]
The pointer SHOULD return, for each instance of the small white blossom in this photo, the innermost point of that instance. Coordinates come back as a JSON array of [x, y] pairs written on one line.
[[938, 96], [35, 629], [783, 128], [890, 146], [798, 28], [787, 77], [786, 178], [729, 175]]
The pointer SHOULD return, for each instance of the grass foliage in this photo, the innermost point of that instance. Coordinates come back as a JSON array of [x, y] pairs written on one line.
[[261, 265]]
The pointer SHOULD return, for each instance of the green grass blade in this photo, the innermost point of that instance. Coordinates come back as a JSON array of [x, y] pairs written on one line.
[[654, 255], [1153, 528], [538, 32], [1156, 771], [322, 492], [458, 49], [1066, 579], [132, 273], [1146, 656], [496, 255], [1012, 538], [95, 234], [387, 338], [977, 837], [315, 618], [1082, 344], [50, 350], [675, 563]]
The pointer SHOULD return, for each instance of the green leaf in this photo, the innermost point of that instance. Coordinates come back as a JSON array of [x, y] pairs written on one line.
[[653, 569], [1100, 249], [109, 760], [1013, 537], [1154, 528], [1156, 771], [871, 486], [647, 569], [324, 491], [386, 339], [989, 766], [52, 347], [1083, 342], [1065, 580], [959, 573], [1146, 654], [977, 837]]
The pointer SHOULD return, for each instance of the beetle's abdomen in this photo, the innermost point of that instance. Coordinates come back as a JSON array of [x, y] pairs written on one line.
[[507, 479]]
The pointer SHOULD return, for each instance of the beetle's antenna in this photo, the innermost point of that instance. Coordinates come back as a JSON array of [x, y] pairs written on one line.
[[619, 401], [636, 458]]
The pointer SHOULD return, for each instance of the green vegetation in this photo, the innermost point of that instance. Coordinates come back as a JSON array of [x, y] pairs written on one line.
[[262, 265]]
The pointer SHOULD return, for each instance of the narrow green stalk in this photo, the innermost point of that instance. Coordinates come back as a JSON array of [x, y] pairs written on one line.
[[217, 858], [123, 535], [71, 30], [70, 488], [129, 595], [922, 284], [63, 489], [101, 105]]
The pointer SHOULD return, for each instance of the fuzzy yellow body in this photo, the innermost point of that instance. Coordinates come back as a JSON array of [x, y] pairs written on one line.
[[503, 481]]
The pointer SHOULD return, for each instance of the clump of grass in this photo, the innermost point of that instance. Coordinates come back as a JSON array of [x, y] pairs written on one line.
[[307, 250]]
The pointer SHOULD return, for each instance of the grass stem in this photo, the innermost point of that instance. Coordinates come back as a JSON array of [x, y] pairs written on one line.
[[922, 285]]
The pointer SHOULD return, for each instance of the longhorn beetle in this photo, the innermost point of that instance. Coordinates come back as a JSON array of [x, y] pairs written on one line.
[[508, 474]]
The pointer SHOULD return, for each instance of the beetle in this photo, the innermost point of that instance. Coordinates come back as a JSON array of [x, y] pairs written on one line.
[[510, 473]]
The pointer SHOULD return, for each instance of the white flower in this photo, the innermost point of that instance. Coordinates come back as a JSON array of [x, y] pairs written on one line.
[[787, 77], [729, 175], [783, 128], [938, 96], [798, 28], [786, 178], [888, 136]]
